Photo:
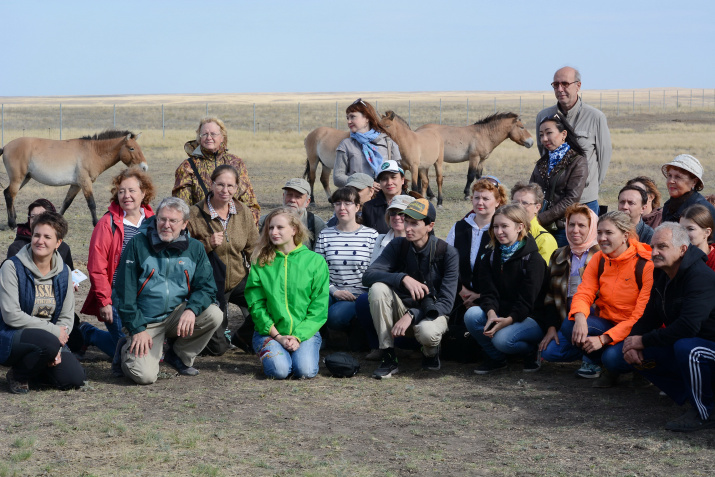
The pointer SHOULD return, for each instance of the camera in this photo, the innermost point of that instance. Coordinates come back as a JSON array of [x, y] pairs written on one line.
[[429, 307]]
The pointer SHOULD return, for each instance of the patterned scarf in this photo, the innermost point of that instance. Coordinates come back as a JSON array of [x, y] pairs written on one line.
[[507, 251], [373, 157], [556, 155]]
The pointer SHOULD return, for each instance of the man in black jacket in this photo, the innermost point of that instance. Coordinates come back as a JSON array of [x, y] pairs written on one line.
[[673, 343], [413, 285]]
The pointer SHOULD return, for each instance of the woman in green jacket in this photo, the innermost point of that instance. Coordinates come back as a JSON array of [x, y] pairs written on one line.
[[287, 292]]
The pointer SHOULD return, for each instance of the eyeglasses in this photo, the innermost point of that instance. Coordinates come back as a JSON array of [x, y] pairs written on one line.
[[337, 205], [394, 212], [206, 135], [359, 100], [492, 180], [172, 222], [225, 186], [563, 84], [522, 203]]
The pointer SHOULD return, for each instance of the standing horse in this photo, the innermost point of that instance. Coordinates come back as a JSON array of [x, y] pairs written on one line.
[[419, 150], [320, 145], [474, 143], [77, 162]]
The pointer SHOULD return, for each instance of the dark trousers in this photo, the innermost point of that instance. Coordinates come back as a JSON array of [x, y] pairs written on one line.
[[31, 352], [684, 372], [218, 344]]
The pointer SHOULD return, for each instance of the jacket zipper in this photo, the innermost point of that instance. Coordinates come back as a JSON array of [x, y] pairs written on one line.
[[285, 287], [145, 282], [188, 281]]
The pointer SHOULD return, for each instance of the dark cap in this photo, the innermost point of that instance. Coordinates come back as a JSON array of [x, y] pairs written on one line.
[[421, 209]]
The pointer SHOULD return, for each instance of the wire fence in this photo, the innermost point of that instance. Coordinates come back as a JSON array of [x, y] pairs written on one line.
[[17, 120]]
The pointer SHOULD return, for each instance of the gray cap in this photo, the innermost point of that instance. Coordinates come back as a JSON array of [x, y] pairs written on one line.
[[301, 185], [360, 181], [400, 202], [689, 164]]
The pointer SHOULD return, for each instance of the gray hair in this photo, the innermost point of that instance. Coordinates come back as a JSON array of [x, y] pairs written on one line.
[[680, 235], [532, 187], [576, 75], [176, 204]]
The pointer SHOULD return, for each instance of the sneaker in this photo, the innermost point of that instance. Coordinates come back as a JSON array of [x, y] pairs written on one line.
[[17, 387], [374, 355], [117, 359], [490, 366], [387, 368], [532, 362], [690, 421], [175, 362], [606, 380], [431, 363], [589, 370]]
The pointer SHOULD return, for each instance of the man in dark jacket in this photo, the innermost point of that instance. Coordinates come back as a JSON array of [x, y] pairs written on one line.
[[673, 343], [413, 284], [165, 289]]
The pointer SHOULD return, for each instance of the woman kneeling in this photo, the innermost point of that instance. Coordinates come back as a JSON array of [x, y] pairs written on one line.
[[287, 291], [617, 281], [37, 311], [511, 278]]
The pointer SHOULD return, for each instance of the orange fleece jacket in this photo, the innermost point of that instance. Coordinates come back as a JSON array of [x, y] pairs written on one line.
[[616, 294]]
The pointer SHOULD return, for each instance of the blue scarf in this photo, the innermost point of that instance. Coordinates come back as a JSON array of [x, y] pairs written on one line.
[[372, 156], [507, 251], [556, 155]]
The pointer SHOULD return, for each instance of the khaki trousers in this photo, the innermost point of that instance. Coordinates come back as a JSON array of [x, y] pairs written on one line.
[[387, 308], [146, 370]]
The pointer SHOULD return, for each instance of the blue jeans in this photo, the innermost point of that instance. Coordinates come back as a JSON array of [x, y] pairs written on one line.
[[340, 314], [104, 340], [593, 205], [518, 338], [279, 363], [565, 351]]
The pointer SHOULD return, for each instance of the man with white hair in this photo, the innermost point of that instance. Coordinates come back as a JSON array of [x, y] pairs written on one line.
[[165, 288], [590, 127], [673, 343]]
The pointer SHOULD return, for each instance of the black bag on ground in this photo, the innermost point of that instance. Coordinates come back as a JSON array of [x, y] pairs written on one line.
[[342, 365], [457, 344]]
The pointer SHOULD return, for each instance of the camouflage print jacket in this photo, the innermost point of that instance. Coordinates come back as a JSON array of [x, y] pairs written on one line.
[[188, 188]]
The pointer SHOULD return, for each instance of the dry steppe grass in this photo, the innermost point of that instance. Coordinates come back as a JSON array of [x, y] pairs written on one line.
[[229, 420]]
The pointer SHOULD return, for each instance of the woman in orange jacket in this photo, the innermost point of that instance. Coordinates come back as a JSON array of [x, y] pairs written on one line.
[[617, 284]]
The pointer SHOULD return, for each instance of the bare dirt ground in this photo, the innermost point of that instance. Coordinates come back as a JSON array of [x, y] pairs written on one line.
[[229, 420]]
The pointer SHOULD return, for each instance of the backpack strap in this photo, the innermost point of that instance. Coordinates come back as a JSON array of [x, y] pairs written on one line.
[[640, 265], [601, 266], [198, 176], [111, 221], [311, 224]]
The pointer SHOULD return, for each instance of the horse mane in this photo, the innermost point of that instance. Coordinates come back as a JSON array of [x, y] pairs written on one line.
[[399, 118], [496, 117], [110, 134]]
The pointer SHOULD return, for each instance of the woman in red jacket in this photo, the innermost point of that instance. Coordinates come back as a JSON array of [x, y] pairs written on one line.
[[617, 282], [132, 190]]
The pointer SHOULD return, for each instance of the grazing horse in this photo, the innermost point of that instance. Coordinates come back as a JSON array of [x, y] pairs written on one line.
[[474, 143], [320, 145], [419, 150], [77, 162]]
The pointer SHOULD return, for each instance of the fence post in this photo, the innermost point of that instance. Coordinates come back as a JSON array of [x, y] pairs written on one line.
[[691, 99], [677, 99], [663, 100], [495, 104], [336, 115], [298, 118], [600, 101], [254, 118], [114, 120], [543, 101], [634, 102], [440, 110], [163, 130], [409, 113], [3, 125], [519, 105], [618, 103], [468, 108], [703, 97], [649, 101], [60, 121], [376, 107]]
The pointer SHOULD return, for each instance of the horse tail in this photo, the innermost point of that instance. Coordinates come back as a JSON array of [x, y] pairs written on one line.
[[306, 173], [1, 150]]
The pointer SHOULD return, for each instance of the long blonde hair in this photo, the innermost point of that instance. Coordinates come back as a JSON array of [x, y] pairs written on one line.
[[265, 252], [517, 214]]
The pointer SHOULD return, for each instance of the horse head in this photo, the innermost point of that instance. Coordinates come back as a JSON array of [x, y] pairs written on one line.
[[392, 120], [131, 154], [519, 134]]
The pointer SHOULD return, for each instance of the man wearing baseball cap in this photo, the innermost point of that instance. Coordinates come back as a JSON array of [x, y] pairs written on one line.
[[296, 194], [392, 180], [412, 286], [363, 184]]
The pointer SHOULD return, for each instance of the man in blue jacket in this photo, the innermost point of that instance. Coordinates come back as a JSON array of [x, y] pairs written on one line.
[[165, 289], [673, 343]]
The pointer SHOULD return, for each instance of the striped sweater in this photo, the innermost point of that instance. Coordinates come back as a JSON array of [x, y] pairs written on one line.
[[348, 255]]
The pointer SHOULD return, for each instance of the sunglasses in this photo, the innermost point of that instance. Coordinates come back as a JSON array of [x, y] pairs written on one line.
[[359, 100], [563, 84], [492, 180]]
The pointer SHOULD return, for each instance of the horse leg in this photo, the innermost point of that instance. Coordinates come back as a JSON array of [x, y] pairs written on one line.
[[87, 189], [10, 193], [309, 174], [440, 177], [424, 179], [71, 194], [325, 175]]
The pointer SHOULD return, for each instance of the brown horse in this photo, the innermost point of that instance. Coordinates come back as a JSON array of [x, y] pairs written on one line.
[[419, 150], [76, 161], [320, 145], [474, 143]]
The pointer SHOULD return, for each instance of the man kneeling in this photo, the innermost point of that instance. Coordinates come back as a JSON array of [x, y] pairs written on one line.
[[413, 285], [165, 289]]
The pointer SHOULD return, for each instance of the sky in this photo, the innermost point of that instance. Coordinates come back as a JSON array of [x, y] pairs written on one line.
[[153, 47]]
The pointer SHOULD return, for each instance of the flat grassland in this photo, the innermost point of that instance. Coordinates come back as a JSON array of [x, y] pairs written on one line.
[[229, 420]]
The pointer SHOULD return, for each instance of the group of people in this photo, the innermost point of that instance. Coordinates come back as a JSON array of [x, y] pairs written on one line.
[[541, 272]]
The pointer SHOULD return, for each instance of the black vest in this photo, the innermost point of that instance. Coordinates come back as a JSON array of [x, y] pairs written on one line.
[[463, 244]]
